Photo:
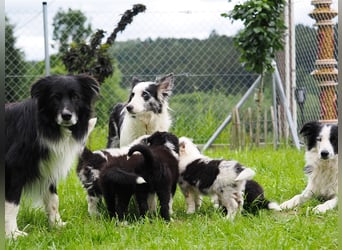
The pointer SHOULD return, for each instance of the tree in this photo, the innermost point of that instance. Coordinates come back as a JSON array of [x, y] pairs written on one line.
[[261, 37], [70, 26], [14, 65], [93, 58]]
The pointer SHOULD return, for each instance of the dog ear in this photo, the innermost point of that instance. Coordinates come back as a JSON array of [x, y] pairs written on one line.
[[91, 124], [90, 84], [39, 87], [165, 84], [310, 128], [135, 81]]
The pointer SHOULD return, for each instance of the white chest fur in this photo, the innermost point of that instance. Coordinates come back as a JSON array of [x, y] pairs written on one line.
[[61, 156], [144, 124]]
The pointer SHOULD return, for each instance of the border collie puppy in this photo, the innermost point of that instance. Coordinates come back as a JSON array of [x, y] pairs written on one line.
[[160, 170], [44, 135], [321, 166], [92, 164], [199, 175], [145, 112]]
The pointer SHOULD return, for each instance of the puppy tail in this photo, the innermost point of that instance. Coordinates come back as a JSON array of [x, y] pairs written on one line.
[[119, 176], [255, 199], [145, 151], [246, 174]]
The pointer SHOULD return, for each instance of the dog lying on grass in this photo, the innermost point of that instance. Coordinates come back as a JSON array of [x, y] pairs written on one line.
[[321, 167]]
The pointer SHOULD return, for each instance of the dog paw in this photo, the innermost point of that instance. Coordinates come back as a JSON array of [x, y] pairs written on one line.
[[274, 206], [15, 234], [58, 223], [320, 209], [190, 211], [287, 205]]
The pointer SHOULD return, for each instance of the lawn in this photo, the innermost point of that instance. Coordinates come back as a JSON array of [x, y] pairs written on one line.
[[280, 172]]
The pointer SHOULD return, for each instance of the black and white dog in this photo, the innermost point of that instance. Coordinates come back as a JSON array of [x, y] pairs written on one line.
[[321, 166], [118, 173], [160, 170], [44, 135], [145, 112], [223, 179]]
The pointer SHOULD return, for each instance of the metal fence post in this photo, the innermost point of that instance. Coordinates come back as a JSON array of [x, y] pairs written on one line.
[[229, 117], [46, 40]]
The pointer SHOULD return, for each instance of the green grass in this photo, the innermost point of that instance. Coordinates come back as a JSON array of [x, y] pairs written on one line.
[[280, 172]]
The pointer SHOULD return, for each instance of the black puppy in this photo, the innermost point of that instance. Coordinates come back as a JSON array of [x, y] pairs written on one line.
[[160, 170]]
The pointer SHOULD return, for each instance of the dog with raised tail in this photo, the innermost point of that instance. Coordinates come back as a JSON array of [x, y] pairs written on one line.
[[228, 182], [145, 112], [201, 175], [321, 167]]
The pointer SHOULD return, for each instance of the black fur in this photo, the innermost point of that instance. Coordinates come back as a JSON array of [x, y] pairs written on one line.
[[203, 173], [254, 198], [28, 121], [118, 183], [160, 171], [31, 128], [112, 177], [117, 179], [114, 125]]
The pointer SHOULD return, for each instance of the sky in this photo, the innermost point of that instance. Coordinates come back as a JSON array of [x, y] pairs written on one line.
[[163, 18]]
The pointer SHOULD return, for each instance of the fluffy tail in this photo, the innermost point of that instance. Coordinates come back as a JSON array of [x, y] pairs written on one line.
[[245, 174], [146, 153], [120, 176], [255, 199]]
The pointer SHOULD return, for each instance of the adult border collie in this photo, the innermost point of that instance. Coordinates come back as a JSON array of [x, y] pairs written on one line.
[[321, 166], [44, 135], [145, 112]]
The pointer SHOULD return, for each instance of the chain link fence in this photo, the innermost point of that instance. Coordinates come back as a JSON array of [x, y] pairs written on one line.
[[209, 79]]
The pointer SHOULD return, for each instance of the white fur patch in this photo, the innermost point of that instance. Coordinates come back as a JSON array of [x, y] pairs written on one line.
[[322, 175], [140, 180], [11, 228], [62, 155]]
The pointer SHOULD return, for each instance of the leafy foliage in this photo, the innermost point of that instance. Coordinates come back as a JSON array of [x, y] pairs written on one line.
[[70, 26], [199, 65], [263, 33], [93, 58]]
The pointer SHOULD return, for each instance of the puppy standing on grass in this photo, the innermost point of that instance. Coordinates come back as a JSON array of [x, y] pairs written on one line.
[[202, 175], [160, 170], [117, 174], [321, 166], [93, 165], [145, 112]]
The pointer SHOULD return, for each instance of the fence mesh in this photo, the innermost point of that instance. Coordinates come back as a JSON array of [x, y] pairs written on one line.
[[209, 79]]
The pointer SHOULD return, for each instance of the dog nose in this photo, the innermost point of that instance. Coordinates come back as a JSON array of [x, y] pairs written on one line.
[[66, 116], [324, 154], [129, 108]]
